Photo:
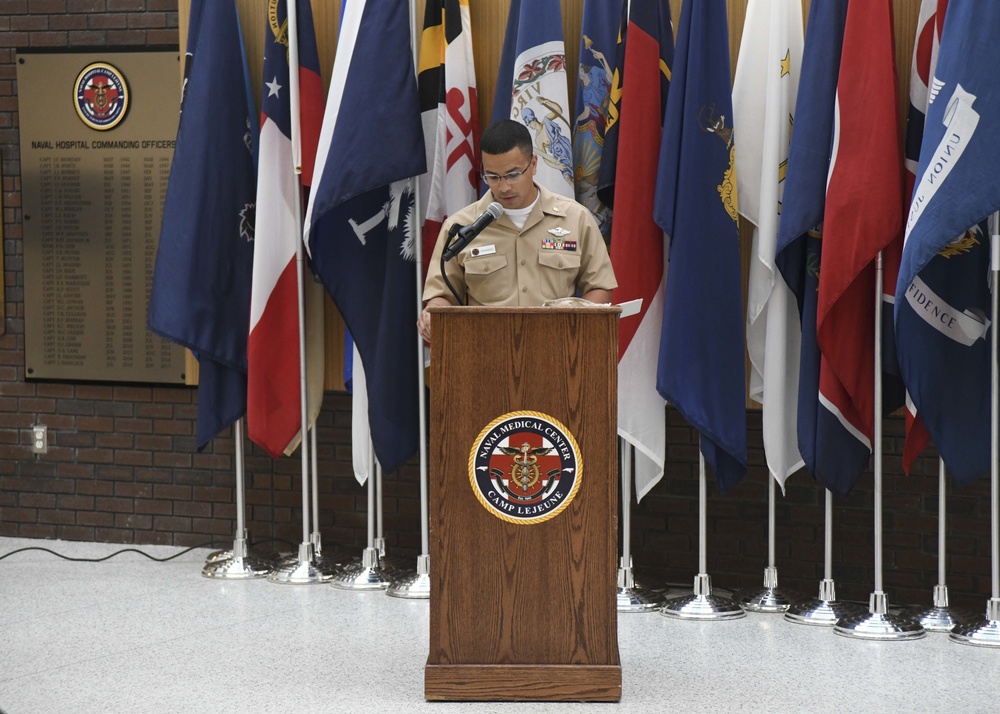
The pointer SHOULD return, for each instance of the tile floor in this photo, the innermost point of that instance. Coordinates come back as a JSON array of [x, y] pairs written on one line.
[[133, 635]]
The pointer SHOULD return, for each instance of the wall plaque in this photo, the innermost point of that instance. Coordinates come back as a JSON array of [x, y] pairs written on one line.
[[97, 137]]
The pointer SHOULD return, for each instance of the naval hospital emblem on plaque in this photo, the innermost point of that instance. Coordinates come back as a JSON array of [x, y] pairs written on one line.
[[525, 467]]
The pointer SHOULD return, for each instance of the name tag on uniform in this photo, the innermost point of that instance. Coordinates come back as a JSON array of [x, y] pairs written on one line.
[[484, 250]]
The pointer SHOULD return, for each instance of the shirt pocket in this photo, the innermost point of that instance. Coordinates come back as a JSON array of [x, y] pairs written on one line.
[[557, 273], [485, 281]]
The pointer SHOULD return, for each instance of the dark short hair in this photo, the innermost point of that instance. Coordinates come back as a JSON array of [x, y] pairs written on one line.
[[503, 135]]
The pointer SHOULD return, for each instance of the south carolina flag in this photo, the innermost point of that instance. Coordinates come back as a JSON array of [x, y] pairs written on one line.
[[359, 223], [532, 88], [764, 93]]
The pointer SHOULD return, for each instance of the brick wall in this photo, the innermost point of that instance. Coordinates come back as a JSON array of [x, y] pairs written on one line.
[[122, 466]]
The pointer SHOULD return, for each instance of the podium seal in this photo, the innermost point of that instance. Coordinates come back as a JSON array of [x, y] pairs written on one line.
[[525, 467]]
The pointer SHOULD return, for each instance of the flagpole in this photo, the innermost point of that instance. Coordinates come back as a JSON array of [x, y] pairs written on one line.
[[879, 623], [631, 597], [940, 617], [825, 609], [417, 585], [770, 598], [702, 604], [239, 563], [986, 630], [368, 574], [303, 570]]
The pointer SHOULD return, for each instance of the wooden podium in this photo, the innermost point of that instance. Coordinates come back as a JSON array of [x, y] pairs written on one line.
[[523, 609]]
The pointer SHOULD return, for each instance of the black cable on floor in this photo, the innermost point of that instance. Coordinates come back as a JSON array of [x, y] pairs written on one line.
[[209, 544]]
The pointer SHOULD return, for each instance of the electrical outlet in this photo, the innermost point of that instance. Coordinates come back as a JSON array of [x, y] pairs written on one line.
[[39, 439]]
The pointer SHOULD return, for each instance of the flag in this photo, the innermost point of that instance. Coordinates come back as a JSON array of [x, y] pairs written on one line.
[[449, 109], [200, 296], [637, 252], [609, 156], [863, 215], [593, 99], [274, 416], [943, 298], [359, 222], [798, 250], [925, 51], [764, 94], [532, 88], [701, 369]]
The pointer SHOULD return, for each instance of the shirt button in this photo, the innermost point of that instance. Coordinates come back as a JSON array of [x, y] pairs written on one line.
[[523, 262], [524, 290]]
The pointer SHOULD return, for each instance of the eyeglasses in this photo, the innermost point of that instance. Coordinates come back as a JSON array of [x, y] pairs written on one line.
[[509, 177]]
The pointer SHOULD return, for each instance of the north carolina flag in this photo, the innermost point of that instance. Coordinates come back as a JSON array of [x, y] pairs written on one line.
[[943, 298], [593, 101], [798, 251], [449, 109], [274, 415], [922, 65], [701, 369], [764, 94], [359, 223], [200, 296], [532, 88], [637, 252], [862, 217]]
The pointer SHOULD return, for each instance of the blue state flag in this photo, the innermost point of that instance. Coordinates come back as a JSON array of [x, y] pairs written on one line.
[[701, 366], [598, 55], [359, 223], [200, 296], [942, 297], [803, 204], [532, 88]]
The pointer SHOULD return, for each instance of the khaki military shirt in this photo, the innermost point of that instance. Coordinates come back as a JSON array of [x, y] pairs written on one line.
[[560, 252]]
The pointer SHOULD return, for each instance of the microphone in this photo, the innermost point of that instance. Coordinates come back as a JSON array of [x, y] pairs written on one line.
[[467, 233]]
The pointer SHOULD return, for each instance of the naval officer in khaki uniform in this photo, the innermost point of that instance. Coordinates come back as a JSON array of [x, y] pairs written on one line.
[[543, 247]]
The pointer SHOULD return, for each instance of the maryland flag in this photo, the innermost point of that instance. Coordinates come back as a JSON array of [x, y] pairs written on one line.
[[450, 115]]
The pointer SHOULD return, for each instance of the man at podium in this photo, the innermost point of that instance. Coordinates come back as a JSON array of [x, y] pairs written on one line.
[[520, 244]]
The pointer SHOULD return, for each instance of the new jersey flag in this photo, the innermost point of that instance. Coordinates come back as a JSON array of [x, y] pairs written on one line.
[[359, 223], [532, 88], [942, 298], [863, 215], [274, 415], [701, 368], [764, 93], [449, 109], [637, 241], [593, 100], [798, 249], [200, 296]]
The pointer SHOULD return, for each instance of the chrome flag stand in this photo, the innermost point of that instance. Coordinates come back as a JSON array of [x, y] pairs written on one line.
[[237, 564], [631, 597], [304, 570], [702, 604], [416, 585], [826, 609], [986, 630], [770, 598], [879, 623], [368, 574], [940, 617]]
